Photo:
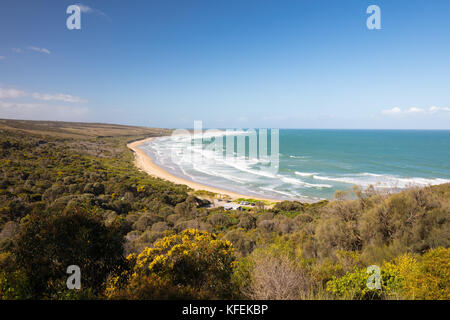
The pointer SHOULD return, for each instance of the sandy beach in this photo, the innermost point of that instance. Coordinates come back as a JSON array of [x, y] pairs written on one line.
[[145, 163]]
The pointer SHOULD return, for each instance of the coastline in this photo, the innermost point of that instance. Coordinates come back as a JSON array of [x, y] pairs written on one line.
[[146, 164]]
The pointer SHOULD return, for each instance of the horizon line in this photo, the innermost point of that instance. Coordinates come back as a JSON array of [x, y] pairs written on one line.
[[224, 128]]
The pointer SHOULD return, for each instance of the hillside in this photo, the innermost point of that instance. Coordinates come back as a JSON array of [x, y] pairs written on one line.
[[70, 194], [78, 129]]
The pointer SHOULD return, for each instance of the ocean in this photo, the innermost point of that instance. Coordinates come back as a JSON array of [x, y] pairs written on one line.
[[311, 164]]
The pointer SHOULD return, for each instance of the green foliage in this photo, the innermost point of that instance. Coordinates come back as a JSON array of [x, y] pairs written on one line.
[[289, 206], [353, 285], [191, 264], [47, 178], [14, 285], [48, 244], [406, 277]]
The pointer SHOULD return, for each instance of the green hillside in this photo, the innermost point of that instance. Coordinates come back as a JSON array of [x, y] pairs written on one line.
[[70, 195]]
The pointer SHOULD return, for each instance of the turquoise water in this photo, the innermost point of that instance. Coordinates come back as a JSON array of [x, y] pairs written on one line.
[[313, 164]]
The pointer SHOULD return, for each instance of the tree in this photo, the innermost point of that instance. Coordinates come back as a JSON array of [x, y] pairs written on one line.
[[191, 264], [48, 244]]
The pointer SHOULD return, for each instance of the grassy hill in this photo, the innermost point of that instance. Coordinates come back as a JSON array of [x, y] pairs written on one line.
[[79, 129]]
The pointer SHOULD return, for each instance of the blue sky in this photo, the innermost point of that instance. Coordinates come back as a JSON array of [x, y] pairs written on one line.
[[246, 63]]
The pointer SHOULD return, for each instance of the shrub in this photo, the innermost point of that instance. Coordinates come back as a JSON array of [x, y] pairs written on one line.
[[241, 241], [189, 264], [266, 225], [290, 206], [274, 273], [145, 221], [48, 244], [14, 285], [160, 227], [406, 277], [247, 221], [219, 221]]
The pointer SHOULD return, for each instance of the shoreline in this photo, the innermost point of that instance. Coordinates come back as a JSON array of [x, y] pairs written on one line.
[[146, 164]]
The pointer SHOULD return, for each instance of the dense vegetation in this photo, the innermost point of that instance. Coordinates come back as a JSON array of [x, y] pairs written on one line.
[[70, 194]]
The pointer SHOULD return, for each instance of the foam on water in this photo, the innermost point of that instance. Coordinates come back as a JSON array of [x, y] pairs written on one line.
[[366, 179], [313, 164]]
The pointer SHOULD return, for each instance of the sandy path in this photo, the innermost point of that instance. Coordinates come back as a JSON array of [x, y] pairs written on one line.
[[145, 163]]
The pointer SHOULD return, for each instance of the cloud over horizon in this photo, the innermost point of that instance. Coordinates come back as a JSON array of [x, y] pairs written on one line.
[[58, 97], [12, 93], [414, 110], [18, 109], [38, 111]]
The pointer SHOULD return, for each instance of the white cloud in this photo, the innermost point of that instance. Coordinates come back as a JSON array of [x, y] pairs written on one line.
[[15, 93], [38, 111], [42, 50], [33, 48], [43, 107], [414, 110], [84, 8], [89, 10], [57, 97], [395, 110], [434, 109], [11, 105], [12, 93]]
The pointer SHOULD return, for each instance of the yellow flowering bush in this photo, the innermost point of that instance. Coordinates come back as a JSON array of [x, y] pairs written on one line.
[[353, 285], [191, 264], [434, 282], [406, 277], [428, 277]]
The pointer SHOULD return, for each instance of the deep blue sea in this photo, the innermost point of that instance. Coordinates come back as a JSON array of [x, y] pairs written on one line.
[[312, 164]]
